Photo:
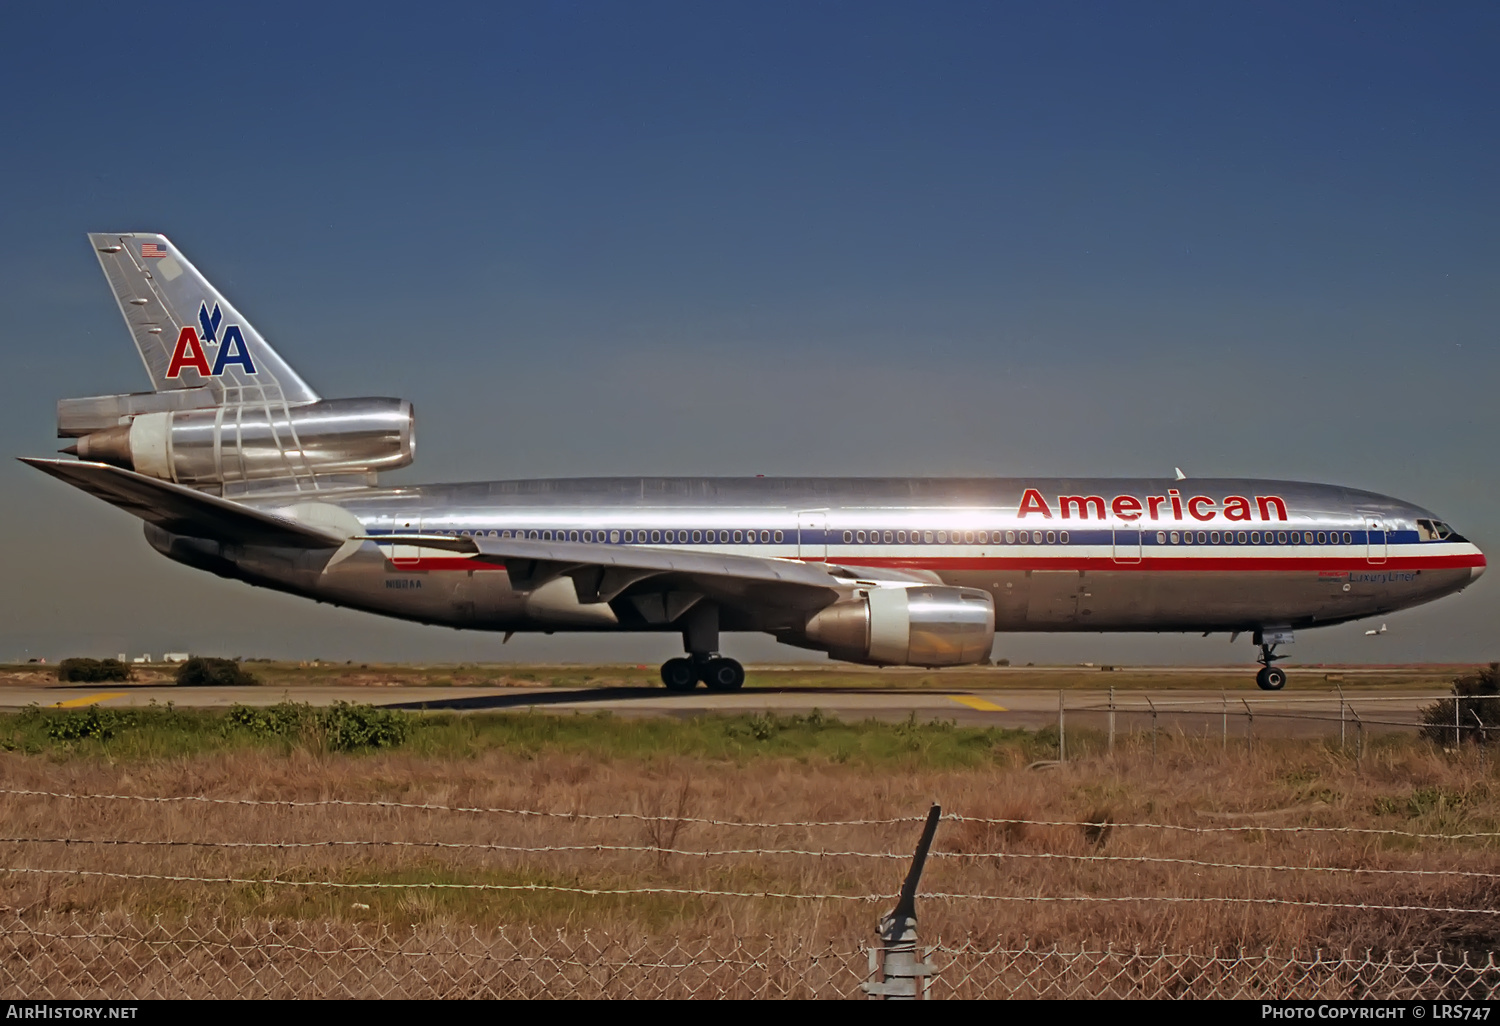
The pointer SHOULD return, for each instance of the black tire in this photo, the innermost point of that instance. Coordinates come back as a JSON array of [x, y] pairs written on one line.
[[1271, 678], [679, 675], [724, 675]]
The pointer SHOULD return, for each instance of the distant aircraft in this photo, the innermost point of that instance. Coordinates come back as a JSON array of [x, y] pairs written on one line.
[[239, 468], [1381, 630]]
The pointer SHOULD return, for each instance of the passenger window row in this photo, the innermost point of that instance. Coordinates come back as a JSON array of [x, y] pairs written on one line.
[[1254, 538], [655, 537], [766, 537], [954, 537]]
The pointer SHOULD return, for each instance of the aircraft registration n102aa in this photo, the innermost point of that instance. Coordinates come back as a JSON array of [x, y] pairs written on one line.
[[239, 468]]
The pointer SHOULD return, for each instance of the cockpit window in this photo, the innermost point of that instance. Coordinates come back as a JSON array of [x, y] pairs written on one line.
[[1434, 530]]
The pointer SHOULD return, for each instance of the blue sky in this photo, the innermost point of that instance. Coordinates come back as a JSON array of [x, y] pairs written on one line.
[[808, 238]]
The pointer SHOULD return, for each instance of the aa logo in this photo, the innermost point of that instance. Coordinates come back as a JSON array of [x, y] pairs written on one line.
[[189, 352]]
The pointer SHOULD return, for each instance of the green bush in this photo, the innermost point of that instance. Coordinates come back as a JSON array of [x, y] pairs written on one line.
[[1478, 717], [75, 726], [92, 671], [341, 727], [202, 671]]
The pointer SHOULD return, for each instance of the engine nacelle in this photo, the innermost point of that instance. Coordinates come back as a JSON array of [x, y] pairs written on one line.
[[260, 441], [920, 626]]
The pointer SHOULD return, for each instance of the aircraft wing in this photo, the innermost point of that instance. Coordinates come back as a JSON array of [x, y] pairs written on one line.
[[183, 510], [602, 572]]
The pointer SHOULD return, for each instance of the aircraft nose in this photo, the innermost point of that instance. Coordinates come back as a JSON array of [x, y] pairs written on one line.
[[1477, 570]]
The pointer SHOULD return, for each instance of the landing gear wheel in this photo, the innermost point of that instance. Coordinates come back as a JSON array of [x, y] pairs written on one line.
[[1271, 678], [723, 675], [679, 675]]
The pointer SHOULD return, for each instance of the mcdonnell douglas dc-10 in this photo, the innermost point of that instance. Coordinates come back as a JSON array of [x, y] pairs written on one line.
[[239, 468]]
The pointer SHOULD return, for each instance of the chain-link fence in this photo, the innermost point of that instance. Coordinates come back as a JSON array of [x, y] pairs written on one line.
[[118, 957], [991, 885]]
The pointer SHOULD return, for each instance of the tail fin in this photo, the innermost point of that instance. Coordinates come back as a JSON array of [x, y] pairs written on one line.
[[188, 334]]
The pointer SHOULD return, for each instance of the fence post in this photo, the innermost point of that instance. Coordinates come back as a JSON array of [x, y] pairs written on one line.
[[1249, 726], [1111, 720], [1359, 757], [1458, 739], [1225, 697], [1153, 728], [1341, 717], [1062, 737], [898, 974]]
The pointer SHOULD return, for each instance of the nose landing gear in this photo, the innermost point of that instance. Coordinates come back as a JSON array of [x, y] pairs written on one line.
[[1271, 677]]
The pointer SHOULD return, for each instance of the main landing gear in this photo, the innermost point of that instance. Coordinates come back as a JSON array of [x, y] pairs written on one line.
[[719, 673], [700, 639], [1271, 677]]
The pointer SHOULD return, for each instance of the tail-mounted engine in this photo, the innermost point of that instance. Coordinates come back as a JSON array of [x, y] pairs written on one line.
[[182, 438], [920, 626]]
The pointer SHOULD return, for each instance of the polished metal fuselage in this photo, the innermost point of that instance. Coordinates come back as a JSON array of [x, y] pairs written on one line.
[[1289, 555]]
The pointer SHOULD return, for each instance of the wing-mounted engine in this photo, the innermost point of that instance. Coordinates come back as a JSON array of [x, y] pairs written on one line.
[[242, 447], [904, 626]]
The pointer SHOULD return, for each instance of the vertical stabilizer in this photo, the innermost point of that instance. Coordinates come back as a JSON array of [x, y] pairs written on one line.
[[188, 334]]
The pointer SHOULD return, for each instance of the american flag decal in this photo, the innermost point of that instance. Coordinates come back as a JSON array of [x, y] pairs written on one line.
[[151, 249]]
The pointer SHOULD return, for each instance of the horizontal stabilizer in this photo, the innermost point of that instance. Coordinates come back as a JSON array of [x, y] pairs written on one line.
[[182, 510]]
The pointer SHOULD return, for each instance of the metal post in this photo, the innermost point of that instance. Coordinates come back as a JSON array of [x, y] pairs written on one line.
[[1359, 757], [898, 974], [1225, 697], [1153, 729], [1111, 721], [1249, 726], [1062, 737], [1341, 717], [1458, 741]]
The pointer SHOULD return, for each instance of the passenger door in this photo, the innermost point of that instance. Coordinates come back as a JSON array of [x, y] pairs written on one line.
[[812, 535], [405, 523], [1376, 545], [1127, 541]]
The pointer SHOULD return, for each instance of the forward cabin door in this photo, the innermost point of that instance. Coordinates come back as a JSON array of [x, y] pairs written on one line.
[[1127, 541], [812, 535], [1377, 547]]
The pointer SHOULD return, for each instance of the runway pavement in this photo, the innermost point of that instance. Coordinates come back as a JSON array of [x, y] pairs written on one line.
[[1309, 712]]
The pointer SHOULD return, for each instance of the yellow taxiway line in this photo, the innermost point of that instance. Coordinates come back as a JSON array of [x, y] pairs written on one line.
[[977, 703], [74, 703]]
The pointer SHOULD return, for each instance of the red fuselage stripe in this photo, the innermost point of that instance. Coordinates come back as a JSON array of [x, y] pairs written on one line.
[[1178, 564]]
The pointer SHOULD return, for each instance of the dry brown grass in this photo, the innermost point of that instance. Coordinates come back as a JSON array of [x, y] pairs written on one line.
[[823, 676], [1404, 786]]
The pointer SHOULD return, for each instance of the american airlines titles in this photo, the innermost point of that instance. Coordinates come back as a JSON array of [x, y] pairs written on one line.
[[1128, 507]]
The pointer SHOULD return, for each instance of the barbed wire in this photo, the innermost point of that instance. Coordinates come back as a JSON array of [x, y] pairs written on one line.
[[1198, 899], [474, 845], [431, 807], [1200, 864], [709, 893], [441, 886], [729, 852], [952, 817], [1182, 828]]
